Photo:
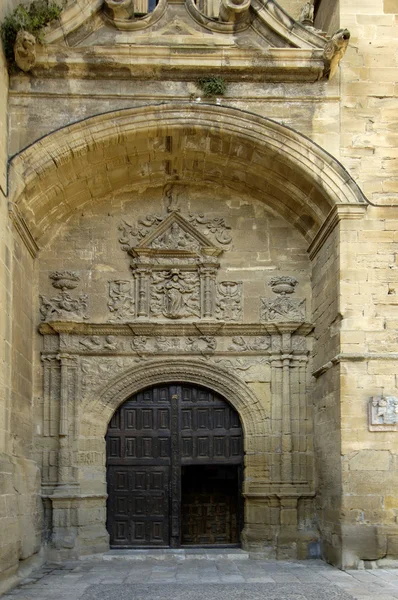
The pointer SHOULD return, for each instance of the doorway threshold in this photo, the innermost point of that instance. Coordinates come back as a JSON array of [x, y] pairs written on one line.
[[170, 554]]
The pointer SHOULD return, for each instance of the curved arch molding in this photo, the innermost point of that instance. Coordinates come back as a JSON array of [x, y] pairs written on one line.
[[97, 411], [199, 143]]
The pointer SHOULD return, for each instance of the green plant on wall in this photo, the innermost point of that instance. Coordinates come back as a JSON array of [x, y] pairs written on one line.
[[212, 86], [32, 18]]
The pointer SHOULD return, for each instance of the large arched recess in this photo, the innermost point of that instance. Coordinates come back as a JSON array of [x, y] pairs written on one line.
[[151, 145]]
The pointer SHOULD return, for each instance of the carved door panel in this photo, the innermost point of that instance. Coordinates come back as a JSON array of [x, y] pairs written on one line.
[[150, 439]]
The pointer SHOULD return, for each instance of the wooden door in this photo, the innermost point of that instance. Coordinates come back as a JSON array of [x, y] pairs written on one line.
[[150, 439]]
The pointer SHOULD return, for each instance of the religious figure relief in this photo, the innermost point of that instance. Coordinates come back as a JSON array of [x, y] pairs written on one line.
[[175, 294], [175, 238], [229, 301], [283, 308], [64, 307], [383, 413], [96, 343], [121, 303], [334, 52], [203, 344]]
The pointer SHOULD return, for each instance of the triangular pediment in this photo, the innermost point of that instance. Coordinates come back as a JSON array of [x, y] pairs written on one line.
[[176, 234]]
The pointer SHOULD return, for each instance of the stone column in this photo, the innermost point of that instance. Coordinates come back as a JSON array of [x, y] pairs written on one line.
[[207, 283], [141, 276]]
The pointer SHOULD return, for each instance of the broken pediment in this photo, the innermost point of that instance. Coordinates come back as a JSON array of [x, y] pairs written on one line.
[[258, 40]]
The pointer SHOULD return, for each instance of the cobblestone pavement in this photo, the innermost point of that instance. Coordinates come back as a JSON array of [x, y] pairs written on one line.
[[202, 576]]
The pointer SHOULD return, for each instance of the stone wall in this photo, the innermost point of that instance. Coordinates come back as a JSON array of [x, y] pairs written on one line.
[[20, 505], [368, 280]]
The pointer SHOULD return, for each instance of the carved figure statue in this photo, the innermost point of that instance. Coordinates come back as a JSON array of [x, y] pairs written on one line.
[[307, 14], [335, 50], [176, 294], [119, 9], [25, 50], [232, 11], [175, 239]]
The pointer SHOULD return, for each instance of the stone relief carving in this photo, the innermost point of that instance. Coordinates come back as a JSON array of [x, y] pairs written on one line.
[[140, 344], [175, 268], [96, 343], [25, 50], [383, 413], [283, 308], [229, 301], [94, 371], [204, 344], [334, 51], [299, 344], [217, 227], [64, 307], [121, 303], [175, 238], [241, 344], [175, 294]]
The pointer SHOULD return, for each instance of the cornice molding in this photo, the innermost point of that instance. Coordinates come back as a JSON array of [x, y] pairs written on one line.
[[174, 329], [337, 214]]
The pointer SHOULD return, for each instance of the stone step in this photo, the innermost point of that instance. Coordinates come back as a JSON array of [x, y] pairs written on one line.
[[170, 554]]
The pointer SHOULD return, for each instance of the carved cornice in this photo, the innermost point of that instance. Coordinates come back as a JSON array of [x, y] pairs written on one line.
[[337, 214], [174, 329], [23, 229], [127, 62]]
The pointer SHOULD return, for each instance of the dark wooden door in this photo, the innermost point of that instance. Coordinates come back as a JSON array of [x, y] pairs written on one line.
[[150, 439]]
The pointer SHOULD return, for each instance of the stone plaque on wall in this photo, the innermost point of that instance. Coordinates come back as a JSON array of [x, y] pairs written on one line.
[[383, 413]]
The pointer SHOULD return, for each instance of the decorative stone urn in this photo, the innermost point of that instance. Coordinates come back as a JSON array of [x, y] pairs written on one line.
[[64, 280], [283, 285]]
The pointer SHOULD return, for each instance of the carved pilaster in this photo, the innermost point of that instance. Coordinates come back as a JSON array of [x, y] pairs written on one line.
[[286, 470], [68, 387], [51, 377]]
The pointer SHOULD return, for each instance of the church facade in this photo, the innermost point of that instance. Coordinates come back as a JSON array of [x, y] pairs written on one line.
[[199, 282]]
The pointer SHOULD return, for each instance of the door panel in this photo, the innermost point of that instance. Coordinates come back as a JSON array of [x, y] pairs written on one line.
[[150, 439]]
